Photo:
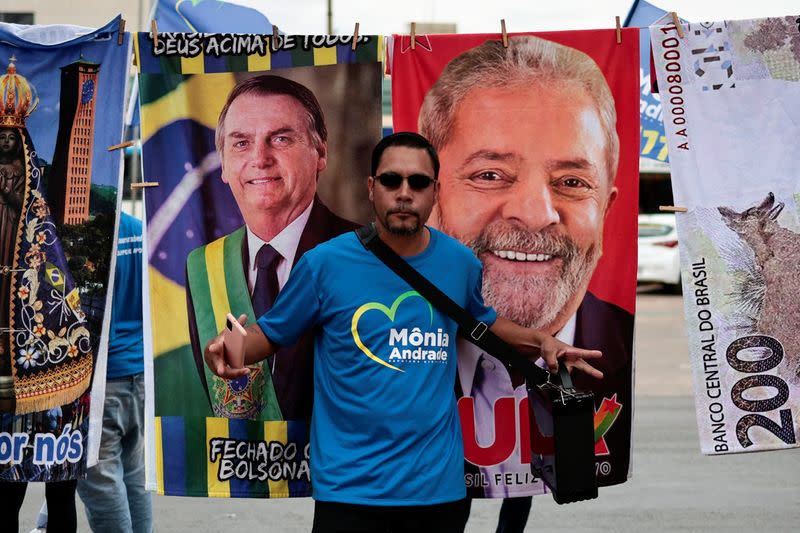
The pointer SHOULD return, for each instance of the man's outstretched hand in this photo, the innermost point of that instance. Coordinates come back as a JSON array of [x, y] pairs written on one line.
[[536, 343], [215, 357], [553, 350]]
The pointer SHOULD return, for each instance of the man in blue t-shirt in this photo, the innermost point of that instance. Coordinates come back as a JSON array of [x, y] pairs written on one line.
[[113, 492], [386, 446]]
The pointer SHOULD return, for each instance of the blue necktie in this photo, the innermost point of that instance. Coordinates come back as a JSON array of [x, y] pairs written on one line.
[[266, 287]]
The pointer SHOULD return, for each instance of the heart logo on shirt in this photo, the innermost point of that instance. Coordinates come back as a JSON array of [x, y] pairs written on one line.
[[389, 312]]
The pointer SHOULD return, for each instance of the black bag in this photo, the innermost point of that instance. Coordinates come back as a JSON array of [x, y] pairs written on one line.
[[566, 462], [557, 409]]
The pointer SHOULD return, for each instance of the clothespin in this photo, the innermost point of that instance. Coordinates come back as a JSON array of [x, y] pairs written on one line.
[[677, 22], [619, 31], [413, 35], [154, 29], [121, 145], [505, 34], [143, 184], [275, 37], [355, 37], [121, 35], [672, 209]]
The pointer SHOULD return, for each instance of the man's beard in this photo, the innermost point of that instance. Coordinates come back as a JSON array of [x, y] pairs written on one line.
[[399, 229], [531, 301]]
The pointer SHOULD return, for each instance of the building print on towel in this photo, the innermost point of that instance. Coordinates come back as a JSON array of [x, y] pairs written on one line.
[[406, 345]]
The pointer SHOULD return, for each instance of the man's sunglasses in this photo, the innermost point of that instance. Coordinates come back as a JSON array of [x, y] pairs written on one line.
[[393, 180]]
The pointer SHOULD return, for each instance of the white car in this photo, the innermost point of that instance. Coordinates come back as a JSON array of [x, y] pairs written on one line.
[[659, 260]]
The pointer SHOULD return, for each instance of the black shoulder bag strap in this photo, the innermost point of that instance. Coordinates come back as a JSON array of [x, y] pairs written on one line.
[[473, 330]]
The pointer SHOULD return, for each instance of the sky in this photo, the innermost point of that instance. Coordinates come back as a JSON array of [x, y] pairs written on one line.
[[383, 17]]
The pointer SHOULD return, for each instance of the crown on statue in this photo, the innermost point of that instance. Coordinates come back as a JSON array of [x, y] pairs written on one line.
[[19, 97]]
